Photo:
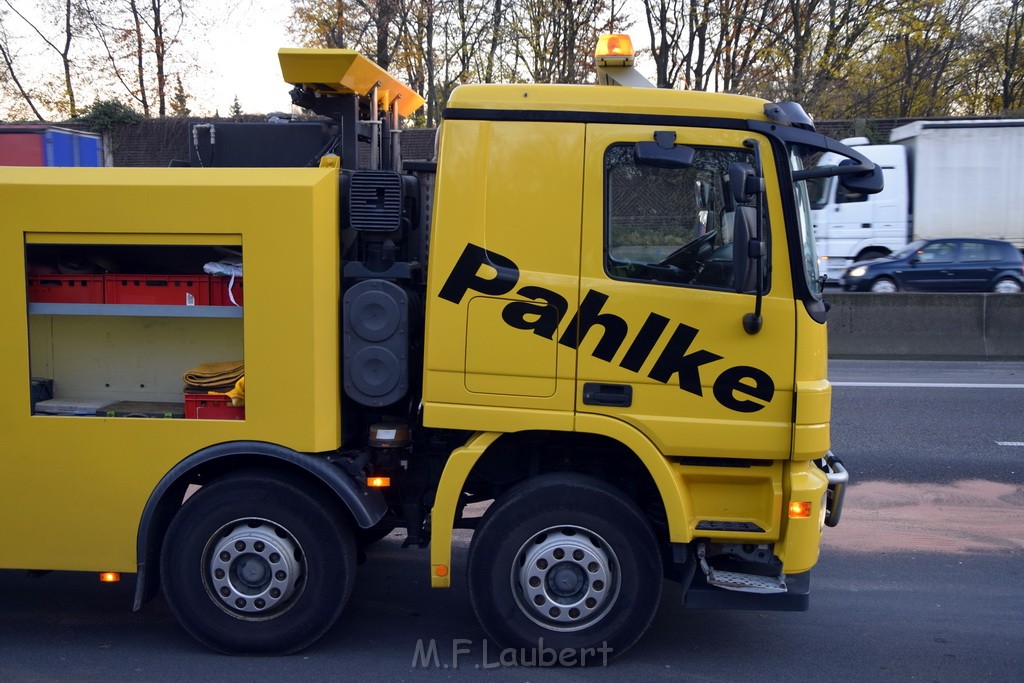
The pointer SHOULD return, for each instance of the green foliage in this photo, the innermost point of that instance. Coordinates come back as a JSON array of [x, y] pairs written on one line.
[[236, 109], [179, 100], [103, 115]]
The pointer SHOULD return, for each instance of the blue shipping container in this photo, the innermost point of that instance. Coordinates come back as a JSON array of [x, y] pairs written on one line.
[[72, 148]]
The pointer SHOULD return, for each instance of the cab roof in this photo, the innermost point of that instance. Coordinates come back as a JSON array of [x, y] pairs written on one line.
[[605, 99]]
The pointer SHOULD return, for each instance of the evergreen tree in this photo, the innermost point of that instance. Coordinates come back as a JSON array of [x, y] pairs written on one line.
[[179, 100], [236, 109]]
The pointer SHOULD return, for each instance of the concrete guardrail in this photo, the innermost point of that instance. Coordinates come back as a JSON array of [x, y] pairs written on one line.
[[926, 326]]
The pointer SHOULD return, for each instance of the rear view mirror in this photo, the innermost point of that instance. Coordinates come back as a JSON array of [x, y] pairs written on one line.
[[865, 183], [743, 182], [746, 249]]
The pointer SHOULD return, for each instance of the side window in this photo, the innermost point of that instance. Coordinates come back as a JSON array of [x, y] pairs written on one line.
[[973, 252], [939, 252], [671, 225]]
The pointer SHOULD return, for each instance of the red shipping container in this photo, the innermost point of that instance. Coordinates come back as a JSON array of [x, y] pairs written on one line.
[[219, 291], [159, 290], [65, 289], [212, 407]]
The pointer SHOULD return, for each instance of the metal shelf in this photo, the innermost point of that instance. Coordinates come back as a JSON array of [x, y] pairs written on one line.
[[136, 310]]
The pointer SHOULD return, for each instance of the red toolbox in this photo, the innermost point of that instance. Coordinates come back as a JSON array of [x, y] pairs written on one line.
[[212, 407], [219, 291], [65, 289], [160, 290]]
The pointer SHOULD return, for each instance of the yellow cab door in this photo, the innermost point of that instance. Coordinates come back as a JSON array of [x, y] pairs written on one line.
[[659, 323]]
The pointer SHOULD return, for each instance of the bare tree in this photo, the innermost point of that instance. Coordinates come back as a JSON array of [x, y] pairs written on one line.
[[553, 41], [7, 52], [63, 15]]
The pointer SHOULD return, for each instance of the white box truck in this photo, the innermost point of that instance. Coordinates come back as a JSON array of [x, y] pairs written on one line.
[[942, 179]]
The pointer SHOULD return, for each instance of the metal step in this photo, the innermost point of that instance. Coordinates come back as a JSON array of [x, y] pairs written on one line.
[[744, 583]]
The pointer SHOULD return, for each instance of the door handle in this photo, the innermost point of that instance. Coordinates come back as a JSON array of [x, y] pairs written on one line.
[[599, 394], [865, 225]]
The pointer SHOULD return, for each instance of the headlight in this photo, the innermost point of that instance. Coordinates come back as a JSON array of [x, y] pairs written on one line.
[[858, 271]]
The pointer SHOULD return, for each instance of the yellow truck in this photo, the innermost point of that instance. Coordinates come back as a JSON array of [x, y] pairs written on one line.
[[598, 308]]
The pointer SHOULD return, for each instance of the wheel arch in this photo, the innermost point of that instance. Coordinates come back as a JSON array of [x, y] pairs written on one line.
[[366, 506], [619, 441]]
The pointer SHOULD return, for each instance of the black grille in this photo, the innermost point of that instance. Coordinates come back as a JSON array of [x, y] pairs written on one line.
[[375, 201]]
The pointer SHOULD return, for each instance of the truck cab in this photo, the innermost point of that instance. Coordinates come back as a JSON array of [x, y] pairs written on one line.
[[854, 226]]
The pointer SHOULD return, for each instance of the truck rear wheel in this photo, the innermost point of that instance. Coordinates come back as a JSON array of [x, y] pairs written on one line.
[[565, 561], [257, 565]]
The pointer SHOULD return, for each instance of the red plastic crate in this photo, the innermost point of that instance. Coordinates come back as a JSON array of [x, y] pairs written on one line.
[[160, 290], [219, 291], [212, 407], [65, 289]]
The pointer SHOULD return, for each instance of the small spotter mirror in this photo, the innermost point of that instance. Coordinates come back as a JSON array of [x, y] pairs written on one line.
[[663, 152]]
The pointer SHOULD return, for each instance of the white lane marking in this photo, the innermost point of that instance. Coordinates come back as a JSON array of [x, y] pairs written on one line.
[[928, 385], [1010, 443]]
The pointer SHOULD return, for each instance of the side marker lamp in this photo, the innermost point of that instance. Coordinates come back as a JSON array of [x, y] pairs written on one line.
[[110, 577], [378, 482], [799, 510]]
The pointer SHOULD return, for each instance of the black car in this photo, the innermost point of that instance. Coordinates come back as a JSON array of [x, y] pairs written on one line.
[[943, 265]]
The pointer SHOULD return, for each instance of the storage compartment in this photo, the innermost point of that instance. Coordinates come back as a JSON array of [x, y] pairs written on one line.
[[219, 291], [65, 289], [115, 343], [160, 290], [212, 407]]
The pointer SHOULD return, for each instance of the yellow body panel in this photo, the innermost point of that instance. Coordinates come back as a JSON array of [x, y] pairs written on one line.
[[73, 488], [496, 195]]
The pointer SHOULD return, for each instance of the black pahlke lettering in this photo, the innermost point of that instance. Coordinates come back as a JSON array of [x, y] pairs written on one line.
[[541, 311]]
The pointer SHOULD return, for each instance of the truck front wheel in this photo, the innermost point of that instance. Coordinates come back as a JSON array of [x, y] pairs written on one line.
[[257, 564], [565, 562]]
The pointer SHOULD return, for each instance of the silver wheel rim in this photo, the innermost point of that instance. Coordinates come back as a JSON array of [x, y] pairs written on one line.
[[565, 578], [1007, 287], [883, 286], [253, 568]]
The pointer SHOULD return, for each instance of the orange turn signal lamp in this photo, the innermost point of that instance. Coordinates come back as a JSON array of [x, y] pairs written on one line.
[[110, 577], [799, 510], [378, 482]]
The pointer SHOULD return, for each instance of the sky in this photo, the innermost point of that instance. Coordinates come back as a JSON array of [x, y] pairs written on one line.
[[234, 46], [241, 53]]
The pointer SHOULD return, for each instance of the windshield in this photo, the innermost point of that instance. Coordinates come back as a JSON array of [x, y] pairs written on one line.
[[817, 191], [803, 210]]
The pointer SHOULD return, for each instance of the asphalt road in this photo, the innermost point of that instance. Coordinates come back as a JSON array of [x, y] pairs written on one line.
[[921, 580]]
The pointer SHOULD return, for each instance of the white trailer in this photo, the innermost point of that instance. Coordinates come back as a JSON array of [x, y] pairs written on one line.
[[942, 179]]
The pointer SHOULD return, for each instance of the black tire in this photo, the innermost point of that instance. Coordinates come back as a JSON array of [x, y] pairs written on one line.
[[578, 548], [869, 254], [1007, 285], [256, 524], [884, 285]]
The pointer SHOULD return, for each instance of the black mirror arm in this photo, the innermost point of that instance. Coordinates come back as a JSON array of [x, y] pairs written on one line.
[[752, 322]]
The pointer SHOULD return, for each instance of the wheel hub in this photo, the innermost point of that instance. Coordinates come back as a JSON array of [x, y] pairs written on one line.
[[253, 568], [565, 578]]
